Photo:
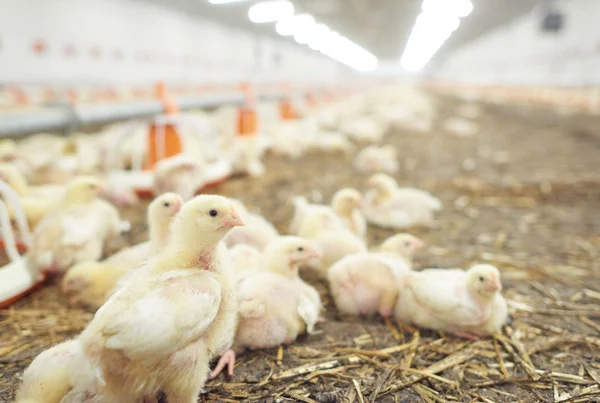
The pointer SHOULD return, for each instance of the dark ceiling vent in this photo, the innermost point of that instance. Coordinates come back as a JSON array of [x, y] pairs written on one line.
[[553, 17]]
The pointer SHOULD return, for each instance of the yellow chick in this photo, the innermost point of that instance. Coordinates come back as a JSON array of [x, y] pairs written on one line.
[[77, 231], [180, 174], [89, 283], [160, 330]]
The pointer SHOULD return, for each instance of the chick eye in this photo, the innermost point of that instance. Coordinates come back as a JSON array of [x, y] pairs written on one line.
[[481, 278], [166, 204], [406, 243], [213, 213], [300, 249], [92, 187]]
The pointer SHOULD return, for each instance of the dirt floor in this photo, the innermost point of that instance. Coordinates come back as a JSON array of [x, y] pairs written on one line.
[[531, 206]]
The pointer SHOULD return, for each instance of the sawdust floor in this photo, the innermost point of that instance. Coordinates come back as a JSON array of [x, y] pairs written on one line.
[[533, 210]]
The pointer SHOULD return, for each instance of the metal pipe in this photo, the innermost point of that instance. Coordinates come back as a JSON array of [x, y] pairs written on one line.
[[62, 117]]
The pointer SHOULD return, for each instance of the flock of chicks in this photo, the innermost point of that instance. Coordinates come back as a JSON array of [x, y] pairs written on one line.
[[215, 280]]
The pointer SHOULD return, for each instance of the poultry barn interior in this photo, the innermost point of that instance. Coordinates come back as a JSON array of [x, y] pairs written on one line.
[[310, 201]]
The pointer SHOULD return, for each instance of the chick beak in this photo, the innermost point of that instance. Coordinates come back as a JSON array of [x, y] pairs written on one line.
[[495, 286], [313, 254], [233, 220], [418, 244]]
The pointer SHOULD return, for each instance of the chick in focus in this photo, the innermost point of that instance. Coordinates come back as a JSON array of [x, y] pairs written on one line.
[[161, 329], [367, 283], [275, 306], [389, 206], [467, 304], [89, 283], [79, 230]]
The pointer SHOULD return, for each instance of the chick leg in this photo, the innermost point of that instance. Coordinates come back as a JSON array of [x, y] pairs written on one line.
[[387, 302], [227, 359]]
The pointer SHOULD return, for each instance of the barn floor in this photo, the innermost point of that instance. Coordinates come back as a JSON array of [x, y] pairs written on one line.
[[531, 206]]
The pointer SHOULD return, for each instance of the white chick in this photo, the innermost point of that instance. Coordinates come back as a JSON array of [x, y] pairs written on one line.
[[275, 306], [377, 159], [257, 231], [246, 156], [52, 374], [364, 129], [245, 258], [331, 237], [347, 203], [401, 246], [461, 127], [77, 231], [367, 283], [89, 283], [389, 206], [468, 304], [160, 330], [180, 174]]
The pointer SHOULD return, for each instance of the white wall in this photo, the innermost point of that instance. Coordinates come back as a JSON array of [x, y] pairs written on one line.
[[140, 42], [520, 54]]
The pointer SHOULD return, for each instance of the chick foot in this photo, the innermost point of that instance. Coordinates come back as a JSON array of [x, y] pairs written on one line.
[[227, 359]]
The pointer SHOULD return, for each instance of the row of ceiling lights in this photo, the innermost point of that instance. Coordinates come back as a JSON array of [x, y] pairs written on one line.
[[306, 31], [435, 24]]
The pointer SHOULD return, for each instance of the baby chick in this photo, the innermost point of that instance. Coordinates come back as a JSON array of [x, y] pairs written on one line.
[[275, 306], [389, 206], [160, 330], [257, 231], [77, 231], [89, 283], [346, 203], [401, 246], [245, 258], [334, 240], [377, 159], [468, 304], [366, 283], [180, 174]]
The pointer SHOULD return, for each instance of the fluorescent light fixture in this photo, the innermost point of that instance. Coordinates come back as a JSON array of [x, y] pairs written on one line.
[[219, 2], [432, 28], [270, 11], [289, 26], [311, 33]]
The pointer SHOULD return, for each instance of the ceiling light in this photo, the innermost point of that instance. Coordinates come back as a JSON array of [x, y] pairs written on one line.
[[219, 2], [311, 33], [270, 11], [289, 26]]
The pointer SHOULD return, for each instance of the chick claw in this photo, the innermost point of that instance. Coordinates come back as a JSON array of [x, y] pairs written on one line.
[[226, 359]]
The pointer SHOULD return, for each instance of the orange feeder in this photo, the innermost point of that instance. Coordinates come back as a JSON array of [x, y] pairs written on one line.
[[163, 139], [247, 117], [287, 110]]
